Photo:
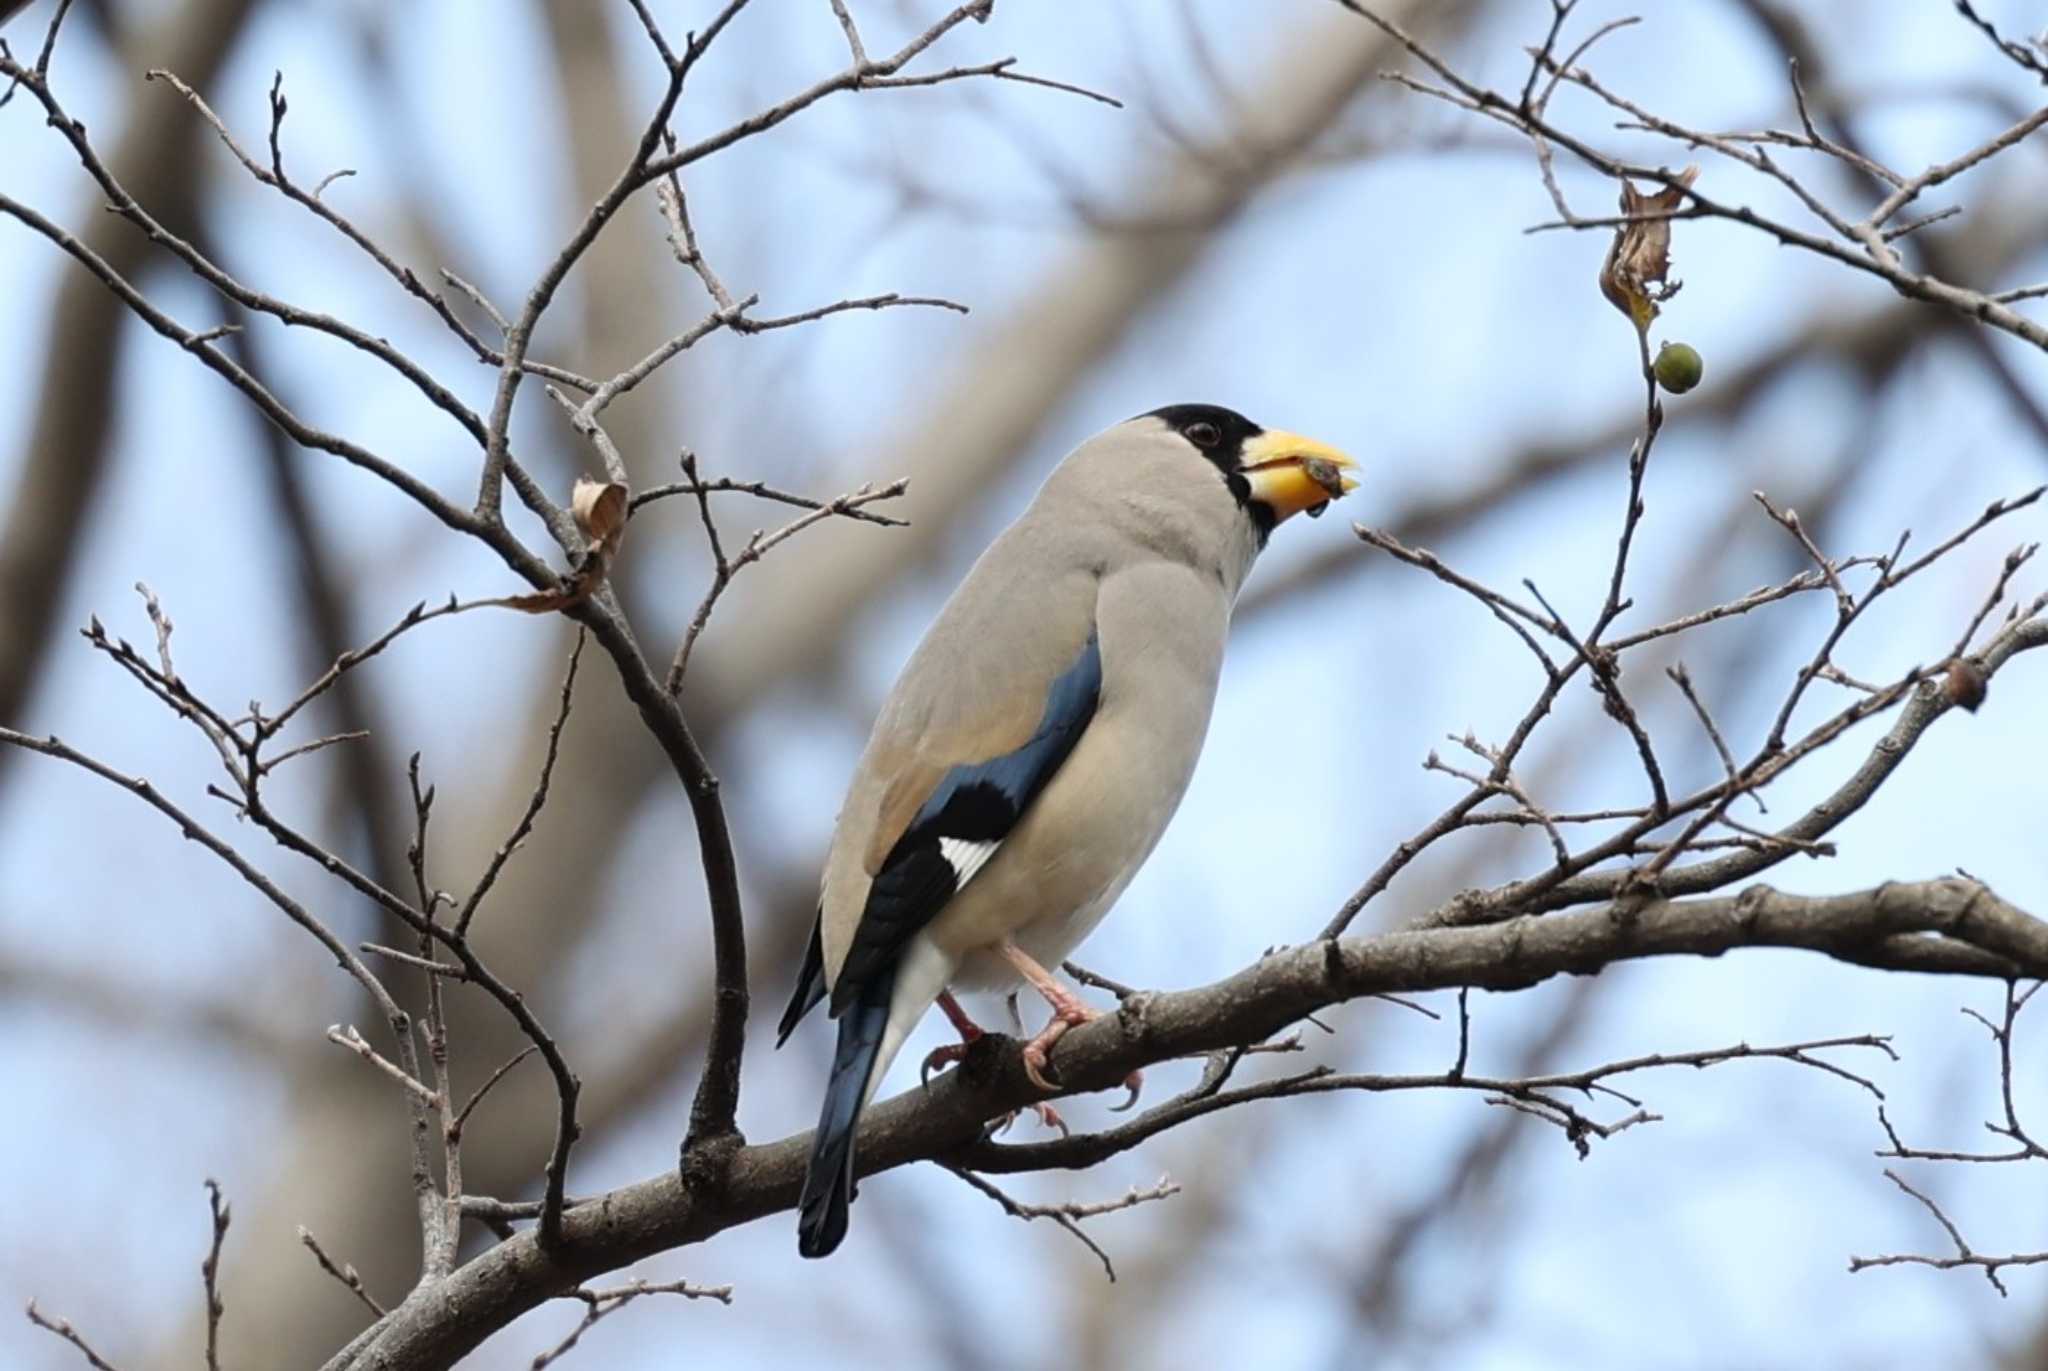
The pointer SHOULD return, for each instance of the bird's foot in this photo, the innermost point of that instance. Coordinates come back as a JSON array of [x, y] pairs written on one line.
[[1047, 1116], [970, 1033], [1037, 1051], [1066, 1013], [938, 1059], [949, 1054]]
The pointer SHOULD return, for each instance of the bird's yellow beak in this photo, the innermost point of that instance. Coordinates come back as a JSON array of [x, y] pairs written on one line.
[[1290, 473]]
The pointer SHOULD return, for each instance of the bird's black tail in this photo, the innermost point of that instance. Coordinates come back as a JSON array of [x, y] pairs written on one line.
[[810, 983], [828, 1183]]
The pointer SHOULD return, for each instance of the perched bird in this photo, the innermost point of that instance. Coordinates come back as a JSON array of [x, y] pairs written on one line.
[[1029, 757]]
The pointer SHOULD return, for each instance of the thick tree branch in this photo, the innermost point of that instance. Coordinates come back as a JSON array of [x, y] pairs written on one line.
[[1886, 926]]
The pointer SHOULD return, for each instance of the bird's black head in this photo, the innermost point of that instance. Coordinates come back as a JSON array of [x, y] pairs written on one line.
[[1220, 435], [1271, 473]]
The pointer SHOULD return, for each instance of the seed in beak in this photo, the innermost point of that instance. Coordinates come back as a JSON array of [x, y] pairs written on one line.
[[1324, 473]]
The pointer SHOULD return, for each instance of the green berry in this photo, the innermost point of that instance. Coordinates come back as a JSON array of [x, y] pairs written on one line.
[[1678, 367]]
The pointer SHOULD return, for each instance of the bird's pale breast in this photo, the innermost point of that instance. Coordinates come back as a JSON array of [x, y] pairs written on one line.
[[1161, 626]]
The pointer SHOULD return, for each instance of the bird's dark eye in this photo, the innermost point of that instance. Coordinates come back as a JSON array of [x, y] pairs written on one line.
[[1204, 434]]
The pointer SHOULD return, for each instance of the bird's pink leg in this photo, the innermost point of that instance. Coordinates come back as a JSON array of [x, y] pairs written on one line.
[[967, 1028], [1068, 1011], [971, 1032]]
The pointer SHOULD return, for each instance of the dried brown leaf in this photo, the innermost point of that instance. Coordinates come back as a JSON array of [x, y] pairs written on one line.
[[1635, 276], [599, 508]]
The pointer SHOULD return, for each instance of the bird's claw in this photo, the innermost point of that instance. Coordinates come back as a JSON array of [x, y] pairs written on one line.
[[939, 1058], [1047, 1116], [1037, 1054], [1050, 1118], [1135, 1083], [1035, 1062]]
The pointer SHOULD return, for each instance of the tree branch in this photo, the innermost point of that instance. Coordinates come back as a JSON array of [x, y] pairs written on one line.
[[1887, 926]]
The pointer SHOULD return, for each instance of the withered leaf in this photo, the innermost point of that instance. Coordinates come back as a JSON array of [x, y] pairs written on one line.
[[1635, 276], [599, 508], [578, 586]]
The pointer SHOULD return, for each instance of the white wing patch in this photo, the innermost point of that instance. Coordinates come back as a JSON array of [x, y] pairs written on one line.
[[966, 857]]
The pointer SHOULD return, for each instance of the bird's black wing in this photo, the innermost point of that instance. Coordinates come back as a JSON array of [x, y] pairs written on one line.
[[971, 810], [969, 813]]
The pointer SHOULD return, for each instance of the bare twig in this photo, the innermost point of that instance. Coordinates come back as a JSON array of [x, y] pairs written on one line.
[[535, 802], [1910, 190], [348, 661], [1965, 1257], [239, 752], [209, 1271], [344, 1273], [1537, 1096], [63, 1329], [1706, 807], [345, 1035], [1095, 980], [1069, 1216], [758, 545], [408, 280], [1683, 679], [42, 66], [477, 1098], [760, 490], [1858, 246], [604, 1302], [2022, 55], [2014, 560], [419, 963]]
